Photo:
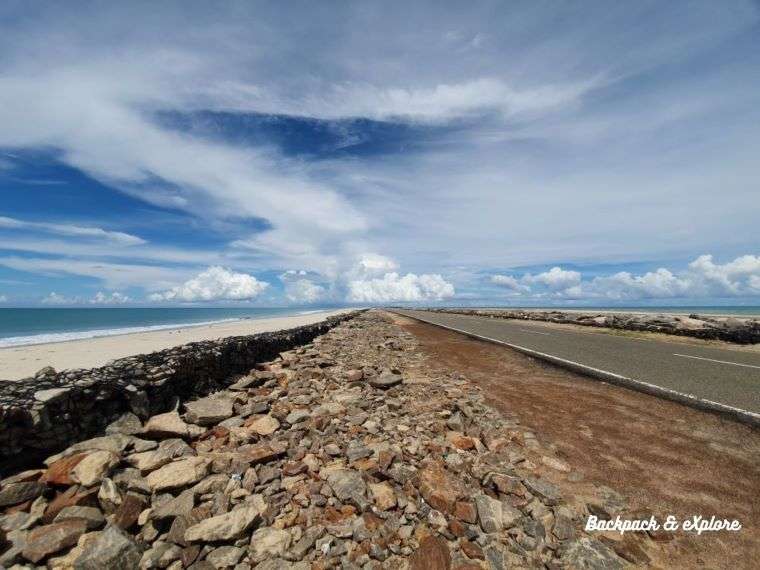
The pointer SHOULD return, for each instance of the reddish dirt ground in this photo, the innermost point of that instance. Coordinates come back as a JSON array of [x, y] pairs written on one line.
[[662, 457]]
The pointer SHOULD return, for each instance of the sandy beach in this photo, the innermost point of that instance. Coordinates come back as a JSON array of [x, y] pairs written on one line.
[[23, 361]]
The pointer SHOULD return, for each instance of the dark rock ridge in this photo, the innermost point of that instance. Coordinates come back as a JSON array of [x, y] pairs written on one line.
[[45, 413], [729, 329]]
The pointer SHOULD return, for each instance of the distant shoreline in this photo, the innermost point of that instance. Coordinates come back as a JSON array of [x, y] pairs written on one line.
[[23, 361]]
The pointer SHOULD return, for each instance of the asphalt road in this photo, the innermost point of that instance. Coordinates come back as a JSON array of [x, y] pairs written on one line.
[[728, 377]]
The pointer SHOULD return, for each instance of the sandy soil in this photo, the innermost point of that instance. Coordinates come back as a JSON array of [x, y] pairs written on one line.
[[23, 361], [662, 457]]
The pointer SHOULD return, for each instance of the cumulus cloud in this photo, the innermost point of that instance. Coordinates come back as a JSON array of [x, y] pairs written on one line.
[[394, 287], [54, 298], [301, 288], [304, 291], [555, 279], [3, 299], [214, 284], [373, 263], [701, 279], [120, 238], [114, 298]]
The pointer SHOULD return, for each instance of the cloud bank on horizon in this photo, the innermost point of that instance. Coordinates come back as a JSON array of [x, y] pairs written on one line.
[[522, 153]]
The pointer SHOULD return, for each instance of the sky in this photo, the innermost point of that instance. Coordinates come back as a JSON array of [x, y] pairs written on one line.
[[361, 153]]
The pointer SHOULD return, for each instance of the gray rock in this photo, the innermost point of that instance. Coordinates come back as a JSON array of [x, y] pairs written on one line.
[[297, 416], [268, 542], [386, 379], [225, 556], [166, 425], [113, 549], [127, 424], [47, 396], [92, 517], [489, 513], [209, 411], [228, 526], [16, 493], [349, 486], [178, 506], [160, 555], [589, 554], [182, 473], [546, 491]]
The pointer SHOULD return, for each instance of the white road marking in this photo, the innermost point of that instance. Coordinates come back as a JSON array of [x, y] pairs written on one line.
[[745, 416], [535, 332], [720, 361]]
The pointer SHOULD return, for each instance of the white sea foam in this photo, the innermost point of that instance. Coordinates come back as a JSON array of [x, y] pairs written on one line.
[[78, 335]]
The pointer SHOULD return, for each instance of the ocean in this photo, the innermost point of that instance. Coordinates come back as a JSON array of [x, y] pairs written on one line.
[[20, 327]]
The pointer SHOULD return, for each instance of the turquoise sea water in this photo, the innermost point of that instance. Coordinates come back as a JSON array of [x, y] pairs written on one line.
[[40, 325]]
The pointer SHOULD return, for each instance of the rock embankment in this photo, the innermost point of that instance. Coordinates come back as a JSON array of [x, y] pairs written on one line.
[[345, 453], [729, 329], [54, 409]]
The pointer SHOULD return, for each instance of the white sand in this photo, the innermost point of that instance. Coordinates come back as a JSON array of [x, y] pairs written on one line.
[[23, 361]]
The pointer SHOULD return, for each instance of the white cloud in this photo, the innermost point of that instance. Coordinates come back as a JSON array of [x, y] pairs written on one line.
[[54, 298], [394, 287], [113, 275], [301, 288], [114, 298], [438, 103], [555, 279], [120, 238], [509, 282], [214, 284], [703, 278], [373, 264], [3, 299], [521, 133], [304, 291]]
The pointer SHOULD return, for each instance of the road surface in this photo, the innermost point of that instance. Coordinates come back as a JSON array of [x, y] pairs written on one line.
[[721, 375]]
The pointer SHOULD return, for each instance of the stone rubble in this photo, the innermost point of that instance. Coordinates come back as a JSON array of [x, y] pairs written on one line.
[[343, 453], [740, 330]]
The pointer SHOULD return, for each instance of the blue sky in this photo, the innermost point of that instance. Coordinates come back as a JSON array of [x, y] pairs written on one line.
[[326, 153]]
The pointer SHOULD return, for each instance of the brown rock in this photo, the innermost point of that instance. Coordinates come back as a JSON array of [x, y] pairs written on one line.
[[263, 453], [457, 528], [354, 375], [127, 513], [433, 554], [73, 496], [471, 549], [438, 487], [383, 495], [49, 539], [460, 441], [59, 472], [466, 511], [508, 485]]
